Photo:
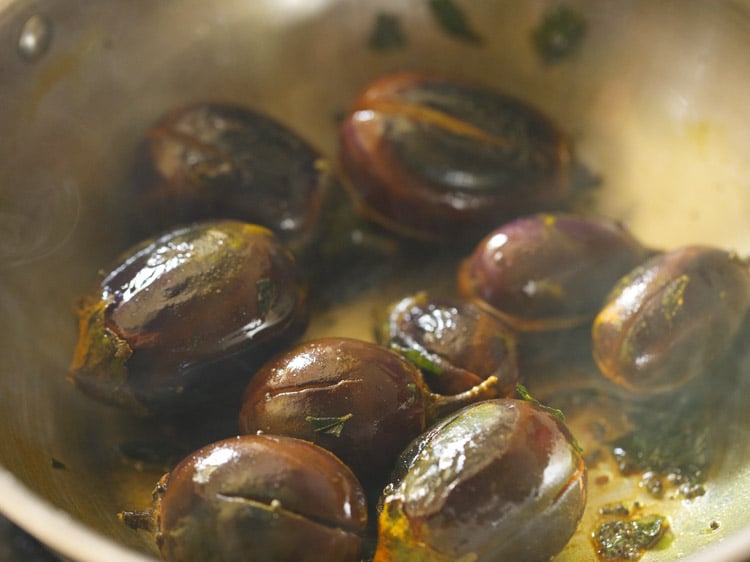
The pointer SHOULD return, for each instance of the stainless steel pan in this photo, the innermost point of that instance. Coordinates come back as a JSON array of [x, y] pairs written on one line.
[[655, 99]]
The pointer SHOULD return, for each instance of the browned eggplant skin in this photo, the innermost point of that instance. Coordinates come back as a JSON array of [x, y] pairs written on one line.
[[373, 391], [669, 319], [218, 160], [549, 271], [260, 498], [498, 480], [460, 343], [177, 309], [430, 157]]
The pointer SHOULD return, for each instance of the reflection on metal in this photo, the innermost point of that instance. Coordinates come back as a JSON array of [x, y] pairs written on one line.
[[35, 38]]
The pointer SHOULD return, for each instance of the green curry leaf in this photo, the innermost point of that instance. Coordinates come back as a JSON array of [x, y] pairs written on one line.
[[453, 21], [386, 34], [328, 425]]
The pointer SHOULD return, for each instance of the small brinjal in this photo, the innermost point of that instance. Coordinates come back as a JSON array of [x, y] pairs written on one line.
[[257, 498], [670, 318], [216, 161], [549, 271], [165, 328], [434, 158], [358, 399], [498, 480], [455, 343]]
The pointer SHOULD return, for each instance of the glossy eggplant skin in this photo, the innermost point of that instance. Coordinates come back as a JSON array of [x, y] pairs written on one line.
[[369, 389], [358, 399], [455, 343], [498, 480], [549, 271], [260, 498], [164, 326], [216, 161], [669, 319], [430, 157]]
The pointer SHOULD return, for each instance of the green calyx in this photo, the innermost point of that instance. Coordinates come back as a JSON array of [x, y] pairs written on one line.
[[525, 395]]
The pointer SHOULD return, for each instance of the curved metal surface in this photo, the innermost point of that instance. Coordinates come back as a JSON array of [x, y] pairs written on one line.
[[655, 101]]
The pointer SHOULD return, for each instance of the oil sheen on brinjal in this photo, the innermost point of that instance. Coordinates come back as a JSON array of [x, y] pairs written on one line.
[[549, 270], [358, 399], [498, 480], [455, 343], [215, 161], [257, 498], [671, 318], [170, 324], [429, 157]]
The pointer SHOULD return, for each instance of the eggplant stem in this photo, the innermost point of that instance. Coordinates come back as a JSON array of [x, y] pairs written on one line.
[[443, 405]]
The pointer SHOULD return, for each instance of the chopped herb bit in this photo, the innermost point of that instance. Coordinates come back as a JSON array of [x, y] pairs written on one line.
[[386, 34], [524, 394], [614, 509], [629, 539], [654, 485], [454, 21], [420, 359], [58, 464], [669, 448], [559, 34], [690, 490], [330, 426], [266, 294]]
